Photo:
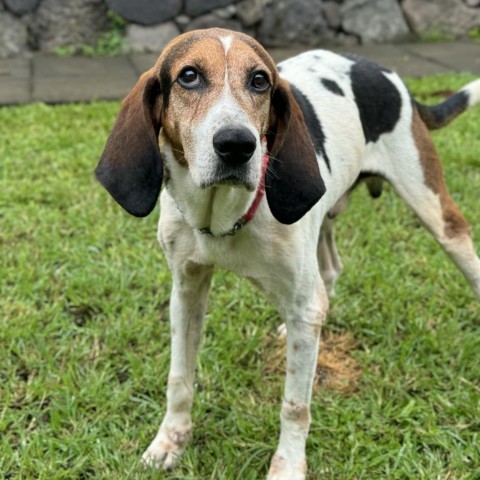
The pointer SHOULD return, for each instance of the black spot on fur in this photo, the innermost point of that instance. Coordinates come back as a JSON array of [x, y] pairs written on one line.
[[377, 98], [358, 58], [313, 124], [332, 86]]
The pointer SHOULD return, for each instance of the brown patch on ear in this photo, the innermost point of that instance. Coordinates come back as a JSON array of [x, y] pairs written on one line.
[[293, 181], [131, 167], [455, 223]]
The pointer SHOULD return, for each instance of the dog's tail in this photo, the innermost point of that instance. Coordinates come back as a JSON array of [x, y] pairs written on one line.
[[438, 116]]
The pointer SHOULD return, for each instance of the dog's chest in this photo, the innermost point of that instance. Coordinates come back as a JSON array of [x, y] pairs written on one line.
[[248, 253]]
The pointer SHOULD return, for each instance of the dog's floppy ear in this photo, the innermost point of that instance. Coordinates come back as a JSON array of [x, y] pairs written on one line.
[[293, 181], [130, 167]]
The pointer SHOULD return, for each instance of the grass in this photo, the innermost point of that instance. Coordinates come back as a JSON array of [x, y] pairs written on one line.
[[84, 327]]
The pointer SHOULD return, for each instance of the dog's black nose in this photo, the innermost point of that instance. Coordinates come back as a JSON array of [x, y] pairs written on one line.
[[234, 145]]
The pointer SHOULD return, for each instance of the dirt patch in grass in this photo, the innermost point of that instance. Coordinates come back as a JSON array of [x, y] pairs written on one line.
[[337, 371]]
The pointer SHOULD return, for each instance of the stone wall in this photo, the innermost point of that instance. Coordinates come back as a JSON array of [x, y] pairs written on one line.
[[45, 25]]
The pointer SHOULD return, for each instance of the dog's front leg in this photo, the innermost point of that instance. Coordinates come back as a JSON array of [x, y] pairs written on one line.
[[304, 318], [188, 305]]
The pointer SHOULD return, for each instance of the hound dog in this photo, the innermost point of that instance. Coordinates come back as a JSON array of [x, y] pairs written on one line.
[[255, 158]]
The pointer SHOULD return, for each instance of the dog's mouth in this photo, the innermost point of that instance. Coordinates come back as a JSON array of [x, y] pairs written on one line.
[[232, 180]]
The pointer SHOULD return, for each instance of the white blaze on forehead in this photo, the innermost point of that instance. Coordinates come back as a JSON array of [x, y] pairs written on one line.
[[226, 42]]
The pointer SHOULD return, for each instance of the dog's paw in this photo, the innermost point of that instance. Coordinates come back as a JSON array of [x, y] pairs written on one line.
[[166, 448], [282, 469]]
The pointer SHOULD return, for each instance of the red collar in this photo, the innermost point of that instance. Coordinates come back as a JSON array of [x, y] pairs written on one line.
[[260, 192], [253, 207]]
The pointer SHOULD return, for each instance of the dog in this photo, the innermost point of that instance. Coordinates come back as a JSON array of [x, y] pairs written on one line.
[[256, 161]]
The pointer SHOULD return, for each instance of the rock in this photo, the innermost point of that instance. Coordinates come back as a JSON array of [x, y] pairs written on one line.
[[447, 17], [375, 21], [284, 24], [151, 39], [13, 36], [225, 12], [146, 12], [210, 20], [250, 12], [57, 23], [197, 7], [183, 20], [331, 12], [20, 7], [347, 40]]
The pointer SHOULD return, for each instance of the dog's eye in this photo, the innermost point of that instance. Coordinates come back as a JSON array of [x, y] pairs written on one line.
[[189, 78], [260, 81]]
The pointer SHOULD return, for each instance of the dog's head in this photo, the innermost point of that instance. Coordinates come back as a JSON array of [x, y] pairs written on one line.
[[217, 96]]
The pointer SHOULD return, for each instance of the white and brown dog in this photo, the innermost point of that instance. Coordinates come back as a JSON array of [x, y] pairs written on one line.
[[255, 159]]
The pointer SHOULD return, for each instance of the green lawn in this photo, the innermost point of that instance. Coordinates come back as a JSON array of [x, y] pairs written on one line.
[[84, 334]]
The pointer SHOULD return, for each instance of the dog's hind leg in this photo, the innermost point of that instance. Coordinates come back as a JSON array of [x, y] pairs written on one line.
[[429, 197], [329, 260], [188, 304]]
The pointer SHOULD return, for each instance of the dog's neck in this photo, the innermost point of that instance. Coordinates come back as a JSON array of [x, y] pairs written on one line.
[[216, 211], [248, 216]]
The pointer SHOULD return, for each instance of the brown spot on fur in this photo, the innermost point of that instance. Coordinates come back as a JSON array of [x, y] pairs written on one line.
[[194, 269], [296, 412], [179, 437], [455, 223], [279, 464], [181, 400], [429, 159], [181, 406]]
